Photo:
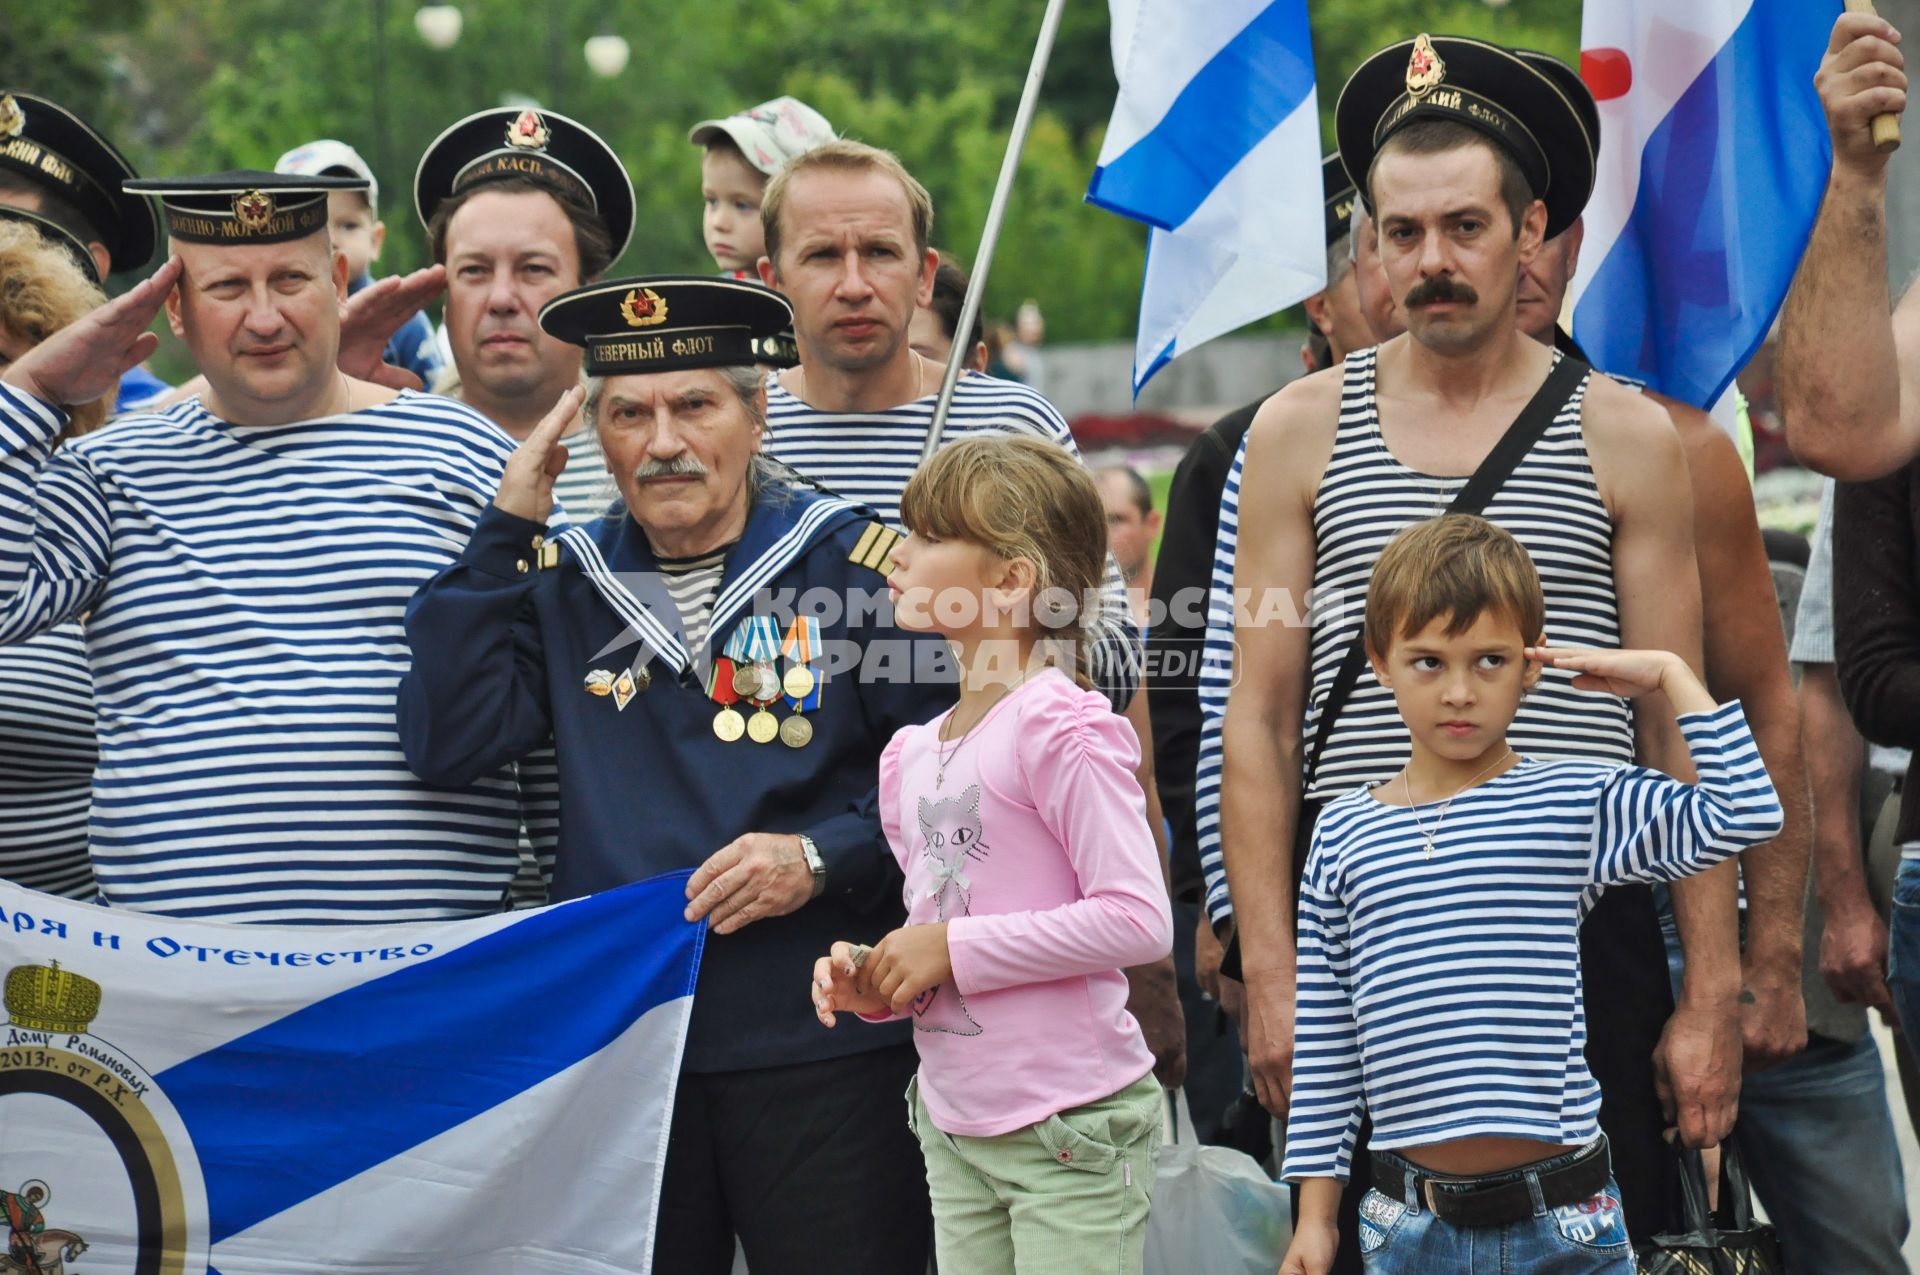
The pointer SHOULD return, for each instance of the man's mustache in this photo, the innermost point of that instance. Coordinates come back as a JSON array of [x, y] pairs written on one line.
[[1440, 288], [681, 466]]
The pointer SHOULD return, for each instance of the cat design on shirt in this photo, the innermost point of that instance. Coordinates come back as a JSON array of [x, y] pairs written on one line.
[[951, 838]]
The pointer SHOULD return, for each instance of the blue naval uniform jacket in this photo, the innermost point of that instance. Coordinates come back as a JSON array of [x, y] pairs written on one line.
[[503, 641]]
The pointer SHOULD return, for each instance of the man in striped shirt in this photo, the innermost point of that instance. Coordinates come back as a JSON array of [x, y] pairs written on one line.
[[847, 241], [244, 558], [1344, 460]]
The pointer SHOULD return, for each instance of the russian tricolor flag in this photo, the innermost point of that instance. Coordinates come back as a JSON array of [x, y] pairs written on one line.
[[1713, 160]]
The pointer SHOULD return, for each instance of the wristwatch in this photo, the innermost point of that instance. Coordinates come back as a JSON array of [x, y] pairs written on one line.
[[815, 865]]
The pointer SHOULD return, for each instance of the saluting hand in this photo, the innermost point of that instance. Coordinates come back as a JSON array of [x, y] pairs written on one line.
[[1862, 75], [86, 359], [370, 317], [1630, 674], [526, 488]]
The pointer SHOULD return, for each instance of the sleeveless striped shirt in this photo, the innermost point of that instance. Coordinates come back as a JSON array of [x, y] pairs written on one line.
[[1552, 506]]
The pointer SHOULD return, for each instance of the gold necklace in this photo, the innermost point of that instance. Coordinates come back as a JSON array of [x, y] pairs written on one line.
[[1414, 810]]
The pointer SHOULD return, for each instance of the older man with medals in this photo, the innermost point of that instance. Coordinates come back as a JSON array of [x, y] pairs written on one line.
[[753, 770]]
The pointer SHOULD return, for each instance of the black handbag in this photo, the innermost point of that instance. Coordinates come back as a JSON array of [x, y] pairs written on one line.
[[1727, 1242]]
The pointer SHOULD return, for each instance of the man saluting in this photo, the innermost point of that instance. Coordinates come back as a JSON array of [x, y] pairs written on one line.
[[244, 558]]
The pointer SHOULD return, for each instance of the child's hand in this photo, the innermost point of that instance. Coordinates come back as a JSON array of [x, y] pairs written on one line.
[[1311, 1252], [1627, 673], [838, 985], [907, 962]]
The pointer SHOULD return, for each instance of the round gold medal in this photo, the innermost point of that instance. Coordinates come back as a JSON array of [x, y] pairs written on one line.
[[761, 727], [729, 725], [799, 681], [796, 732], [746, 679]]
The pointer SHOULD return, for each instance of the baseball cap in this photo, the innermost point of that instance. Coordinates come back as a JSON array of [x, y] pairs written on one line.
[[326, 156], [769, 134]]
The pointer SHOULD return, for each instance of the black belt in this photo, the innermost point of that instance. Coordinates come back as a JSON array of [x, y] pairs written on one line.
[[1498, 1198]]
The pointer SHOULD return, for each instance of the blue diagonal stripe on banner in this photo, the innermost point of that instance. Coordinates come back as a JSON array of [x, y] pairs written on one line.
[[333, 1089], [1242, 94]]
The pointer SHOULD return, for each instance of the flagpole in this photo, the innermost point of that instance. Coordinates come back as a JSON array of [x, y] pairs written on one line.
[[990, 233]]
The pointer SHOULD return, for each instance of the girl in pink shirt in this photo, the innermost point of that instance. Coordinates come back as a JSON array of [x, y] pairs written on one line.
[[1031, 881]]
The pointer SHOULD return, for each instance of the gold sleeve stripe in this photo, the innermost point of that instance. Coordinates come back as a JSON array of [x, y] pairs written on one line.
[[882, 548], [873, 532]]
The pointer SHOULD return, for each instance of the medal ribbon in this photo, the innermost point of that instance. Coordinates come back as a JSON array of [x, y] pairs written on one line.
[[720, 682]]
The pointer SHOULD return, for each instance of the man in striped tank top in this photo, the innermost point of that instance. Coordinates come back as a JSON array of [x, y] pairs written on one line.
[[244, 559], [1463, 196]]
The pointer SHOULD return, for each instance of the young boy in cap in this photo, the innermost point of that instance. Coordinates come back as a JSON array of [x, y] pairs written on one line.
[[353, 220], [742, 153], [1439, 984]]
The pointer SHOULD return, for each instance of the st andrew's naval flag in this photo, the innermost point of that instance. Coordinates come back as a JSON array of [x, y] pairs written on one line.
[[1215, 143], [1713, 159], [481, 1096]]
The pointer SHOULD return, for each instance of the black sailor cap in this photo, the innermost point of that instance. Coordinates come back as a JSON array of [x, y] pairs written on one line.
[[244, 207], [672, 323], [52, 146], [1543, 117]]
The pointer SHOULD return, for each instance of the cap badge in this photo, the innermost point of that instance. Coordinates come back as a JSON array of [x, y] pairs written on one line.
[[253, 210], [1424, 67], [528, 131], [12, 118], [643, 308]]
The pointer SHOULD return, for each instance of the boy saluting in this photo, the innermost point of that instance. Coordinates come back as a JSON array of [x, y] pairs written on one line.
[[1439, 976]]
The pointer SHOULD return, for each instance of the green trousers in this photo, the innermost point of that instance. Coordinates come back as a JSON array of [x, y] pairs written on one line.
[[1067, 1196]]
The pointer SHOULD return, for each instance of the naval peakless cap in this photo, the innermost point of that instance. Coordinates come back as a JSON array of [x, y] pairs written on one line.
[[672, 323], [54, 147], [1543, 117], [1337, 187], [551, 150], [244, 207]]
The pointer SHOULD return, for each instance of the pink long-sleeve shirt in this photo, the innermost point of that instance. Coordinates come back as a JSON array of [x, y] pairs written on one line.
[[1035, 850]]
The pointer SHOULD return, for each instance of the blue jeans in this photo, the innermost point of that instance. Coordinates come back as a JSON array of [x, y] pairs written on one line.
[[1816, 1138], [1398, 1236], [1903, 965]]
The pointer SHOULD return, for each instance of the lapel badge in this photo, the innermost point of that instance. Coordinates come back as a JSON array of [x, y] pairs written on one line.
[[528, 132], [600, 682], [624, 689], [13, 120], [253, 210], [643, 308], [1424, 67]]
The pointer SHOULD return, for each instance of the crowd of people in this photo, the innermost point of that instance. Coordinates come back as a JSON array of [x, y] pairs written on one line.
[[1475, 789]]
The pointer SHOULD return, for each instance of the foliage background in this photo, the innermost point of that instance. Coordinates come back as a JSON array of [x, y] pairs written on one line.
[[187, 86]]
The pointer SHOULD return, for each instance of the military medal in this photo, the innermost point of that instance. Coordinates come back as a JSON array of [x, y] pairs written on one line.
[[802, 684], [762, 727], [625, 687], [600, 682], [728, 725]]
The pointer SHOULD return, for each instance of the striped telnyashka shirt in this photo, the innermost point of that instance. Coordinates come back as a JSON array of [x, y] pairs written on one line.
[[46, 757], [867, 457], [246, 587], [1440, 994], [1551, 504]]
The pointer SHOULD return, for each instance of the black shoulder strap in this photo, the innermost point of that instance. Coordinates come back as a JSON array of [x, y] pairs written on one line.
[[1562, 380]]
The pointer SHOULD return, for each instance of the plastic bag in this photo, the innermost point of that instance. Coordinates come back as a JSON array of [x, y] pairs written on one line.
[[1214, 1208], [1730, 1243]]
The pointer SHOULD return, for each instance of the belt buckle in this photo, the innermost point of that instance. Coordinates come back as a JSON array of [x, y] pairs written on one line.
[[1426, 1192]]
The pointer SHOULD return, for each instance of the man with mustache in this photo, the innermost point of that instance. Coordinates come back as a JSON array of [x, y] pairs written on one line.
[[700, 730], [244, 558], [1463, 198]]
